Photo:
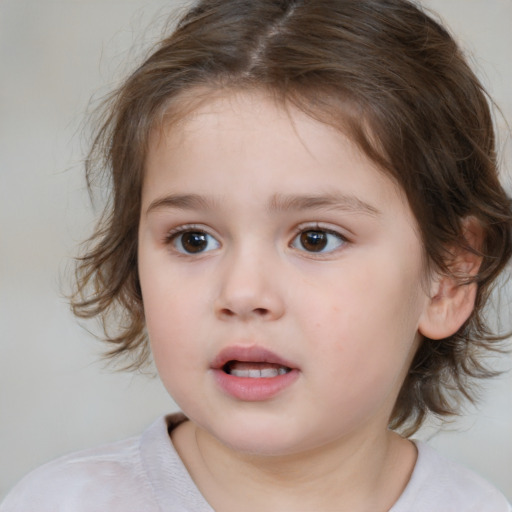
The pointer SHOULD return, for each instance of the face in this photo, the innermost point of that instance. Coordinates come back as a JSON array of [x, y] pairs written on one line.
[[282, 277]]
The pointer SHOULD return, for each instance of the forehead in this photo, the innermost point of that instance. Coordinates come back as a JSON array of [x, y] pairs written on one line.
[[252, 138]]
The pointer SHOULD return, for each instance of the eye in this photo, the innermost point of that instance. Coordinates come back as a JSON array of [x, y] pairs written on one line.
[[318, 240], [193, 242]]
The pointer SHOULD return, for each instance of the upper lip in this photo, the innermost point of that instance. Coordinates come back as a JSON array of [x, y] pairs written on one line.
[[249, 354]]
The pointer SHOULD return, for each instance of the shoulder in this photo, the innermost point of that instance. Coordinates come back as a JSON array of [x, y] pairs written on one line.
[[441, 485], [109, 478]]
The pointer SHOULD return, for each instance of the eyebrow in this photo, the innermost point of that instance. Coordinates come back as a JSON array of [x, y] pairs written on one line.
[[337, 201], [182, 202], [278, 203]]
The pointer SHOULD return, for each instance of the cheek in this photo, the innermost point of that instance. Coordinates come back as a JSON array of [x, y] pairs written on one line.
[[176, 357], [169, 326], [163, 294], [366, 327], [166, 314]]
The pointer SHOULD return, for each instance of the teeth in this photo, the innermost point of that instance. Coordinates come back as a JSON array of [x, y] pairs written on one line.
[[265, 373]]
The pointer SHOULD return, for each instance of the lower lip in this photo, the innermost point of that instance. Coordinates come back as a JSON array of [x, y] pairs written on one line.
[[254, 389]]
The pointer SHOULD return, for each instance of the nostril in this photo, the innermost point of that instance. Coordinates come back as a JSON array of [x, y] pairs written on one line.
[[256, 312], [227, 312]]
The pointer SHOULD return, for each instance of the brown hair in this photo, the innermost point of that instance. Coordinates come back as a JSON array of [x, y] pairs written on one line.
[[385, 73]]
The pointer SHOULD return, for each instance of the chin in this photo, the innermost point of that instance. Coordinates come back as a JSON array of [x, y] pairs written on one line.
[[262, 438]]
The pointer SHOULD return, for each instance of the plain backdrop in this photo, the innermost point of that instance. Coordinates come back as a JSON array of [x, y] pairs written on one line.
[[56, 395]]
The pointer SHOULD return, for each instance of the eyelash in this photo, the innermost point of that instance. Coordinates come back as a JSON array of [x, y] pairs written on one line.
[[173, 236], [319, 228]]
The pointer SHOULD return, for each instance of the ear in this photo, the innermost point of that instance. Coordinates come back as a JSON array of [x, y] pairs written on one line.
[[452, 297]]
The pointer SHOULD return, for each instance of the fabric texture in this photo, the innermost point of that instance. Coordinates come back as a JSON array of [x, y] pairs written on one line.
[[146, 474]]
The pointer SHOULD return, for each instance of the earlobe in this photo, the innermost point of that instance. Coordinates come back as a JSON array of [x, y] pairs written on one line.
[[448, 309], [452, 297]]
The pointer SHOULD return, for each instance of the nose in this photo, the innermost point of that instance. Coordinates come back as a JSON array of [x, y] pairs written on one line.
[[249, 290]]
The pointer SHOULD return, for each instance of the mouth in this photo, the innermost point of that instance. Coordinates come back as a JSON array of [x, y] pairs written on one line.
[[253, 373], [254, 369], [251, 362]]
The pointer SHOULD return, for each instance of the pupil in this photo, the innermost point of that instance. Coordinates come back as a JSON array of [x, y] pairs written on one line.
[[194, 241], [313, 241]]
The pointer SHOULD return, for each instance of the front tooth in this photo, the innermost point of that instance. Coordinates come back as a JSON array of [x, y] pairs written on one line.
[[254, 374], [269, 372], [265, 373]]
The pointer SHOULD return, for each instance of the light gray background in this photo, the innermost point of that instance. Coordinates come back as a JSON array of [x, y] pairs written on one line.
[[55, 396]]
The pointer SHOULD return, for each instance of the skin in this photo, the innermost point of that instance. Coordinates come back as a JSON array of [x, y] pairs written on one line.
[[347, 318]]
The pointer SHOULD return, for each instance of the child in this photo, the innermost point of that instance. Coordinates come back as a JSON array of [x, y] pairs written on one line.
[[305, 224]]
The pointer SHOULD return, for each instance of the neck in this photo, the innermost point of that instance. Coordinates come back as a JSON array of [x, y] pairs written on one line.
[[358, 474]]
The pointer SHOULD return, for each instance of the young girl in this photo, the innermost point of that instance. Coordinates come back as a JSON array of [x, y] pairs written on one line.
[[305, 224]]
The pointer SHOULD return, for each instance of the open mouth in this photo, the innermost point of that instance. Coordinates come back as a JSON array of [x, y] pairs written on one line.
[[253, 373], [254, 370]]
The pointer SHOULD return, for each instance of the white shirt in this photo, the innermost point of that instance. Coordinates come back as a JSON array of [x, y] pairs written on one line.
[[145, 474]]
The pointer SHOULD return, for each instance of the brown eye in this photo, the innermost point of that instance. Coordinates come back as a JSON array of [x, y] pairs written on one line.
[[313, 241], [318, 240], [193, 242]]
